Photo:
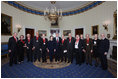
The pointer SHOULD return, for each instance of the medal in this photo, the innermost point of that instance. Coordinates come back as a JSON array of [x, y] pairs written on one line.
[[28, 42], [94, 42], [37, 41], [87, 44], [44, 43]]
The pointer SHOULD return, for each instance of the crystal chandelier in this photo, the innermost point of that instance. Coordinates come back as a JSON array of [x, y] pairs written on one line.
[[52, 13]]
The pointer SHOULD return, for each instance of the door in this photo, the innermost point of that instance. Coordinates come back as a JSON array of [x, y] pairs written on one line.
[[78, 31], [29, 31]]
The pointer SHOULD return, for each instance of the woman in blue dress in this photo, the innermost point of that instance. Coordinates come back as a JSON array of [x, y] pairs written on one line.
[[51, 48]]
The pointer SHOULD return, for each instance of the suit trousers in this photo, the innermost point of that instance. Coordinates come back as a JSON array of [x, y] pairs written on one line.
[[37, 55], [13, 58], [78, 56], [29, 55]]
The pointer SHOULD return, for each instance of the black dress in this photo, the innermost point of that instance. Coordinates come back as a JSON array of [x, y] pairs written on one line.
[[95, 47], [51, 47], [21, 50]]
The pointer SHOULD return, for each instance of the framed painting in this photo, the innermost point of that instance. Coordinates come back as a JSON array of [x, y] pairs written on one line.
[[66, 32], [6, 24], [42, 32], [95, 30]]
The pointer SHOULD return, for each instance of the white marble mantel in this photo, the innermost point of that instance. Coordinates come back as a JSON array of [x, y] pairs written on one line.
[[112, 43]]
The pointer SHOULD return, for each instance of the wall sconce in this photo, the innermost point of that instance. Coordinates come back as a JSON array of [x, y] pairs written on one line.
[[105, 26], [18, 27]]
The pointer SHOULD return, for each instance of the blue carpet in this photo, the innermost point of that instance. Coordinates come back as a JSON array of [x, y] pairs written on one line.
[[28, 70]]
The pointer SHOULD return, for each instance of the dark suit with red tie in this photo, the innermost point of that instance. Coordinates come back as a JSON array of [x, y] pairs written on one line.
[[63, 50], [29, 44], [44, 49], [88, 47], [12, 45], [70, 48], [37, 43], [57, 47]]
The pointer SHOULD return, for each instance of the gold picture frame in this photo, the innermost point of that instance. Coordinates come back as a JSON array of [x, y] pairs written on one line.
[[95, 30], [42, 32], [6, 24], [66, 32]]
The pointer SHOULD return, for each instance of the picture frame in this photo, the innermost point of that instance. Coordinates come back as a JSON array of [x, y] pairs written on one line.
[[6, 24], [66, 32], [95, 30], [42, 32]]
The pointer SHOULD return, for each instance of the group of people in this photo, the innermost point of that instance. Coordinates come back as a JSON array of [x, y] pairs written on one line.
[[61, 49]]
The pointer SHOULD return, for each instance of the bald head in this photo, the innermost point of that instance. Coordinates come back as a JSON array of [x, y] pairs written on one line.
[[102, 36], [28, 35]]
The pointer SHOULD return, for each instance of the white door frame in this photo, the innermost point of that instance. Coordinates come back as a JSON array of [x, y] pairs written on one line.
[[30, 27], [84, 32]]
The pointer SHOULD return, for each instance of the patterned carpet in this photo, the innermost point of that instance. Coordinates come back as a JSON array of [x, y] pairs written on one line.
[[28, 70]]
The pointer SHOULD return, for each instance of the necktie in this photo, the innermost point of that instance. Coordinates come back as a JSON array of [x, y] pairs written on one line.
[[62, 41], [43, 40], [57, 40]]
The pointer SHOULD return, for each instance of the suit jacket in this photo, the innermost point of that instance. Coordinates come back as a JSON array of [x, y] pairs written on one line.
[[44, 45], [30, 45], [90, 46], [70, 45], [38, 44], [12, 44], [57, 45], [104, 46], [80, 45], [64, 45]]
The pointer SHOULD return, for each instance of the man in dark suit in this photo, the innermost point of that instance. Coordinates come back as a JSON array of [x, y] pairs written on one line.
[[88, 49], [63, 49], [44, 48], [37, 47], [70, 47], [12, 48], [78, 50], [29, 46], [57, 41], [103, 51]]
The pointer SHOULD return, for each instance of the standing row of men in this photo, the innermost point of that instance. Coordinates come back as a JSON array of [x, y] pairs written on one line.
[[61, 49]]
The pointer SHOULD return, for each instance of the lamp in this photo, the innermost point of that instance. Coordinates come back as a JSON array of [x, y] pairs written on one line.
[[18, 27]]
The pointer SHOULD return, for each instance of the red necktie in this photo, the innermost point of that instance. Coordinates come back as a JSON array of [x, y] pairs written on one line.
[[28, 40], [63, 41], [43, 40], [57, 40], [37, 38], [87, 41], [15, 39], [70, 39]]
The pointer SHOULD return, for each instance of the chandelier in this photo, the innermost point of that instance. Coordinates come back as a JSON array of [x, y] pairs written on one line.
[[52, 13]]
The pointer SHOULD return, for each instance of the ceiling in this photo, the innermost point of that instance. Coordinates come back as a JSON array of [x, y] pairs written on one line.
[[64, 5]]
